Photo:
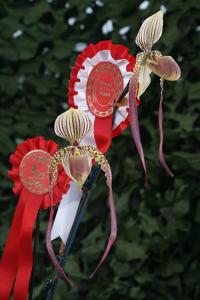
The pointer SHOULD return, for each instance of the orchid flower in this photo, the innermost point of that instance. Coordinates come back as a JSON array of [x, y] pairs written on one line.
[[149, 61], [76, 160]]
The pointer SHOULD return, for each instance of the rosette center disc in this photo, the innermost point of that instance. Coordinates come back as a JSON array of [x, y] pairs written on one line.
[[104, 85], [34, 171]]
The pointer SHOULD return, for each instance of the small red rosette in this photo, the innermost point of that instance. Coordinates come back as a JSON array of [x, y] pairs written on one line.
[[30, 175]]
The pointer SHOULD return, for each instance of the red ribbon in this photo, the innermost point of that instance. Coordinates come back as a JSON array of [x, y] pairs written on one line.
[[103, 133], [9, 260], [17, 259], [25, 258]]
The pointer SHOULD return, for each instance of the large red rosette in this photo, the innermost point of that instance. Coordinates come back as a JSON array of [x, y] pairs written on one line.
[[100, 74], [17, 258]]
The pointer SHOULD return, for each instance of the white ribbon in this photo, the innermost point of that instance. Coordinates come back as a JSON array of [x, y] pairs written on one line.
[[66, 213], [70, 201]]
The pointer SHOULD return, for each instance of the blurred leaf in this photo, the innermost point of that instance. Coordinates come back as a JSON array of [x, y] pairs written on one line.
[[26, 47], [129, 251], [35, 12]]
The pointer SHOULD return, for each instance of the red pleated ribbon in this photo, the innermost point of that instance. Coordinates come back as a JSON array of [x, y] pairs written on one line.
[[16, 262], [25, 258], [9, 260]]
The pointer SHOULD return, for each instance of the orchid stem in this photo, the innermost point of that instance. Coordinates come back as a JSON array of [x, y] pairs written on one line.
[[124, 92]]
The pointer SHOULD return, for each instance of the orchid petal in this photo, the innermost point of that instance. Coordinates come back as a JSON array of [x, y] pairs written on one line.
[[113, 233], [150, 31], [101, 160], [50, 249], [160, 123], [165, 67], [144, 79], [134, 122]]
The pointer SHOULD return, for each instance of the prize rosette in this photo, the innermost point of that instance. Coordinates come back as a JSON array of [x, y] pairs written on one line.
[[30, 175], [100, 74]]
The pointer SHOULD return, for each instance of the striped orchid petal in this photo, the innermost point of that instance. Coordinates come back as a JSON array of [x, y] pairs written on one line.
[[72, 125], [165, 67], [150, 31]]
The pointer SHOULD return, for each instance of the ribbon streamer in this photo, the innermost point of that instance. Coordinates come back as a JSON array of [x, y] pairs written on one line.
[[66, 212]]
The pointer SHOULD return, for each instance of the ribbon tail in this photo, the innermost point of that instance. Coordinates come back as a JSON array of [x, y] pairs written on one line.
[[134, 122], [160, 123], [32, 206], [66, 213], [51, 250], [113, 232], [9, 260], [103, 133]]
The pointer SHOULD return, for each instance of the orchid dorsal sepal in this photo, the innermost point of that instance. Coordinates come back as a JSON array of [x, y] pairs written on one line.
[[150, 31], [72, 125]]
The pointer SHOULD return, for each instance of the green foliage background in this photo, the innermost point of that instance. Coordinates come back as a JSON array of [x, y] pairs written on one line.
[[157, 252]]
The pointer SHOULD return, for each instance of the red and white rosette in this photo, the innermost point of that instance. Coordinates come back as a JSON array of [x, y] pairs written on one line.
[[100, 74], [30, 175]]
